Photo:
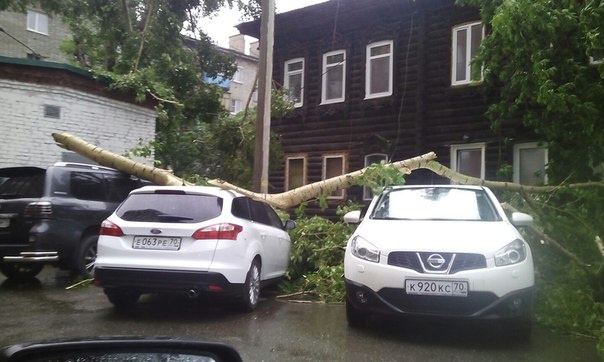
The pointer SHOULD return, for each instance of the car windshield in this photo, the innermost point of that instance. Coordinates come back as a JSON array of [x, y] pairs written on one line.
[[435, 203], [170, 208]]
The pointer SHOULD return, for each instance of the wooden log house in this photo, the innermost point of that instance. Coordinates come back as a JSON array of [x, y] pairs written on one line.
[[380, 80]]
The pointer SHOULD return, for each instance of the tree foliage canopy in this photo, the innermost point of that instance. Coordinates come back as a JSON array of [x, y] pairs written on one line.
[[139, 46], [539, 54]]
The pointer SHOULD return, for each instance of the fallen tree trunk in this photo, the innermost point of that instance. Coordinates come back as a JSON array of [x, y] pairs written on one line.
[[105, 158], [283, 200], [291, 198]]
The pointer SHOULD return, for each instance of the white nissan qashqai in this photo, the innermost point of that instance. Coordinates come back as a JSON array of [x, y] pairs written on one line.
[[446, 251], [191, 239]]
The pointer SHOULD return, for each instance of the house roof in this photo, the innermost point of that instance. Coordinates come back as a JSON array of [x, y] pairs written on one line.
[[324, 14], [65, 75], [45, 64]]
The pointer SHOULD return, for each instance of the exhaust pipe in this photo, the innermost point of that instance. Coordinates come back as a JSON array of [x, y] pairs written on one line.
[[193, 293]]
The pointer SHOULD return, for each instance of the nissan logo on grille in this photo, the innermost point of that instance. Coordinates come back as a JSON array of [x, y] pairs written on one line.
[[436, 261]]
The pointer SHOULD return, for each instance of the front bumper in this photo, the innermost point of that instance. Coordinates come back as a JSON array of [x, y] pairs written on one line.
[[165, 281], [477, 305]]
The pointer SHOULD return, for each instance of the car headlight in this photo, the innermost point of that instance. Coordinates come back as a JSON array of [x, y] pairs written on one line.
[[513, 253], [363, 249]]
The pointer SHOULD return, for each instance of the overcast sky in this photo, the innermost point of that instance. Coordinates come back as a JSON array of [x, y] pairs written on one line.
[[222, 26]]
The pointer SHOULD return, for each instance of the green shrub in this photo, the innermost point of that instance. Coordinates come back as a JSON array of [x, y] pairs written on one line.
[[316, 260]]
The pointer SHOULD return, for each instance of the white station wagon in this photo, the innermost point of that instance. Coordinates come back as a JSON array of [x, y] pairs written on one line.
[[191, 239], [445, 251]]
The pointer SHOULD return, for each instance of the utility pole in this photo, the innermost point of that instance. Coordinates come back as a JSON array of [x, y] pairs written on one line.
[[265, 76]]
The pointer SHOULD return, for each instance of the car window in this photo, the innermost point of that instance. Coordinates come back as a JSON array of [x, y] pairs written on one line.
[[25, 186], [259, 213], [118, 187], [273, 217], [87, 186], [435, 204], [170, 207], [241, 208]]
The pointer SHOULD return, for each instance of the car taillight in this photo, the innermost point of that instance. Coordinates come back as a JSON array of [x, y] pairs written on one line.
[[219, 231], [38, 210], [110, 229]]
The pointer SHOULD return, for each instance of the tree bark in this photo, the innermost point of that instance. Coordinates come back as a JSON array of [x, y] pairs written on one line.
[[291, 198], [105, 158]]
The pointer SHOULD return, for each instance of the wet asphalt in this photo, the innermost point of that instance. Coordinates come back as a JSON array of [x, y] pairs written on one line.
[[276, 331]]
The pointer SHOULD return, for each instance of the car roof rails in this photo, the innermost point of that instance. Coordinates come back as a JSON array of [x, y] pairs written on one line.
[[83, 165]]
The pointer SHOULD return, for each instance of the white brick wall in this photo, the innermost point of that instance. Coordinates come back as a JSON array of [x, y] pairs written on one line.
[[26, 135]]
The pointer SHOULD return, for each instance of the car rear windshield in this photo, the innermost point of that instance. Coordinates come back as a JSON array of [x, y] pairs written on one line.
[[436, 203], [17, 183], [170, 208]]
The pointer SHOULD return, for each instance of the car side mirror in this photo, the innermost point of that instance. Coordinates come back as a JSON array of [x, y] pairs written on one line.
[[520, 219], [289, 225], [121, 349], [353, 217]]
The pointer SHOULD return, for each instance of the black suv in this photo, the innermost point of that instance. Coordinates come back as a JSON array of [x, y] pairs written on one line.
[[53, 215]]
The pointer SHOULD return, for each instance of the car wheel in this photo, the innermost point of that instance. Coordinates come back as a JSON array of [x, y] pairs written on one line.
[[87, 256], [122, 298], [21, 271], [251, 288], [355, 318]]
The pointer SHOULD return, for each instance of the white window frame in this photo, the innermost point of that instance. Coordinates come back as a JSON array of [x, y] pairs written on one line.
[[304, 166], [326, 69], [237, 77], [455, 31], [367, 194], [528, 145], [368, 75], [287, 74], [35, 16], [469, 146], [338, 194], [235, 106]]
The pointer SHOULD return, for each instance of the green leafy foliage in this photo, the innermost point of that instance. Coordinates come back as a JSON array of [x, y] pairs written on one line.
[[566, 303], [569, 294], [316, 258], [318, 244], [137, 47], [537, 54], [378, 176]]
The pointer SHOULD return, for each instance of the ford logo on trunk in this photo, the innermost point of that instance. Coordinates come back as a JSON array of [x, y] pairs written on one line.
[[436, 261], [155, 231]]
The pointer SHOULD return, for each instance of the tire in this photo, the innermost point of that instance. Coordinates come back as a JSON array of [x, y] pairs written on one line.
[[251, 288], [87, 256], [21, 271], [354, 316], [122, 298]]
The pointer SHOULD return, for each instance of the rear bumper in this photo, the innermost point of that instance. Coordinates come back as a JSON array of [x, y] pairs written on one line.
[[19, 253], [33, 257], [477, 305], [170, 281]]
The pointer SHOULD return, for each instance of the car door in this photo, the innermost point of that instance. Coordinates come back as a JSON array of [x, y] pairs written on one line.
[[268, 238], [282, 244]]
